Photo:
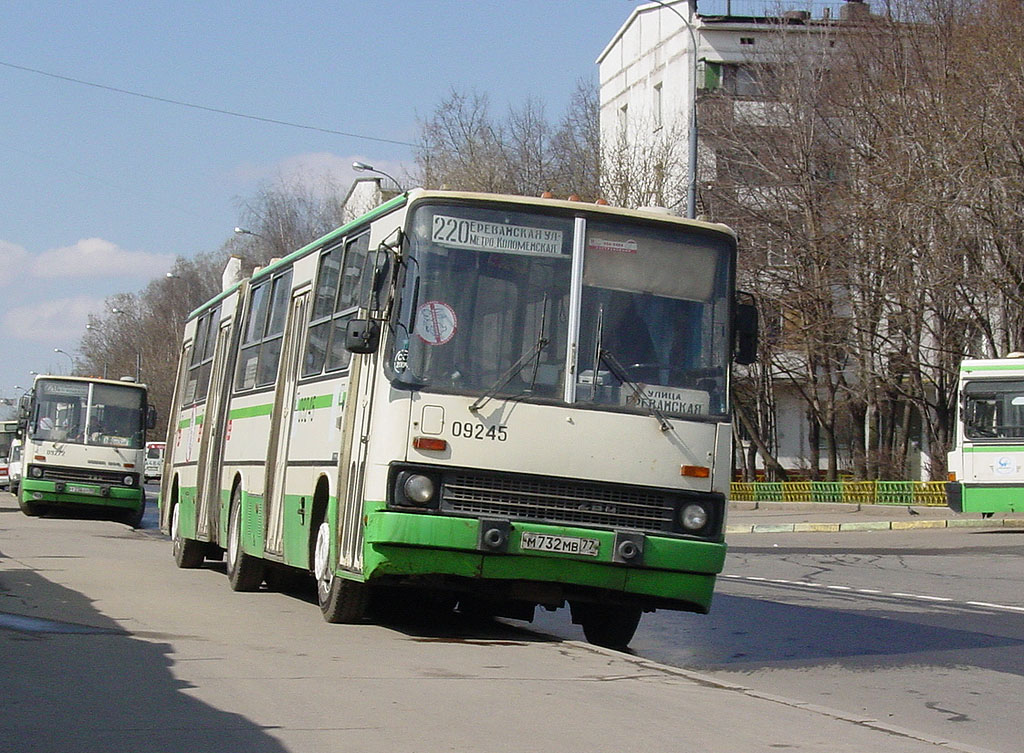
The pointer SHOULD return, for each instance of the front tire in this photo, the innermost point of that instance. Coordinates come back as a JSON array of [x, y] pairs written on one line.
[[341, 600], [606, 625], [245, 572], [188, 553], [31, 509]]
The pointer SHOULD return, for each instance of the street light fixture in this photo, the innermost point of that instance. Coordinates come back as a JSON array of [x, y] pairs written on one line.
[[240, 231], [361, 167], [691, 188], [58, 350]]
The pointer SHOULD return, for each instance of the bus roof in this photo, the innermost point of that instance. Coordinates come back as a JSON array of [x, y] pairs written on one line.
[[419, 194], [97, 380]]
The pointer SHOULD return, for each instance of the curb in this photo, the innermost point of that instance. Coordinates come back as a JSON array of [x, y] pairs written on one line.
[[881, 525]]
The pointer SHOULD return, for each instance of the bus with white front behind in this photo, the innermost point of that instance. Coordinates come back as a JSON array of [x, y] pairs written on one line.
[[83, 441], [497, 402], [986, 462], [8, 435]]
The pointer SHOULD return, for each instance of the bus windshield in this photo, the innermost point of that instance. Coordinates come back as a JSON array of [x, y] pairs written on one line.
[[486, 309], [994, 410], [79, 412]]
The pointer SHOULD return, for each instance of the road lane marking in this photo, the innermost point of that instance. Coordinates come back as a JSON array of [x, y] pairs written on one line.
[[874, 592]]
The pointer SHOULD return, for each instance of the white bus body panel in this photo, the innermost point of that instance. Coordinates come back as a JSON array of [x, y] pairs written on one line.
[[564, 442]]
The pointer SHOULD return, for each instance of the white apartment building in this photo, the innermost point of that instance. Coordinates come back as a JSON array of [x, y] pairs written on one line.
[[649, 72]]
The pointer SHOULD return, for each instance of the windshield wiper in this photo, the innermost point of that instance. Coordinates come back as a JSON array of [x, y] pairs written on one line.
[[480, 402], [641, 397], [518, 366]]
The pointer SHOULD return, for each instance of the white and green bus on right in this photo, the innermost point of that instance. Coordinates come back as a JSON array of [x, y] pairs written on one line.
[[986, 463]]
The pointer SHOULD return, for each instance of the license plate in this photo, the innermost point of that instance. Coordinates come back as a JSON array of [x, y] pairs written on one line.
[[75, 489], [544, 542]]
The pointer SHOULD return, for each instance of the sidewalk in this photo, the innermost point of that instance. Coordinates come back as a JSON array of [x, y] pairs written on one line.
[[826, 517]]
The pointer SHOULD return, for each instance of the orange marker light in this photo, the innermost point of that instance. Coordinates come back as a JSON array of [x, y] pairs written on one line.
[[952, 475], [695, 471], [429, 443]]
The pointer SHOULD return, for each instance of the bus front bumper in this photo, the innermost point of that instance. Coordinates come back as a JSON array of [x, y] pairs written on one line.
[[76, 493], [671, 572]]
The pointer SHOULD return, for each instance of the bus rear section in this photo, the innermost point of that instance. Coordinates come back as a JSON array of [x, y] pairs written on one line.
[[986, 464], [83, 447]]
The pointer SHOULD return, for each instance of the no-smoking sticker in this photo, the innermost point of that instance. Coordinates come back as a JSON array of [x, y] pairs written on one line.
[[435, 323]]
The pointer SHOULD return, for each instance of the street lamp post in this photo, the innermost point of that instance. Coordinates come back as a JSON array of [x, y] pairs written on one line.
[[361, 167], [691, 188], [72, 360], [138, 351]]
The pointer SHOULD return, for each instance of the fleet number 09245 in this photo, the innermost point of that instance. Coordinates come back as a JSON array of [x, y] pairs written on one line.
[[470, 430]]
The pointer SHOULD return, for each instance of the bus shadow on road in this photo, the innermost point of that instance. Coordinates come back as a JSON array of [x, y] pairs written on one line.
[[74, 681], [743, 634]]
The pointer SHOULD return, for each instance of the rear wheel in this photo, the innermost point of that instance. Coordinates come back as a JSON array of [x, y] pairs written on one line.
[[606, 625], [188, 553], [341, 599], [245, 572]]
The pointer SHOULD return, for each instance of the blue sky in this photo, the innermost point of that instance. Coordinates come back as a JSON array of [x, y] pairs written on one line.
[[101, 190]]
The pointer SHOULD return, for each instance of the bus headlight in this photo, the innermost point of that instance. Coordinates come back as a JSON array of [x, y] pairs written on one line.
[[129, 480], [36, 472], [693, 517], [418, 489]]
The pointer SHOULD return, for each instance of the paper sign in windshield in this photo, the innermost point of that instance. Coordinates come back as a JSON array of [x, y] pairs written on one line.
[[461, 232], [605, 244], [681, 402], [435, 323]]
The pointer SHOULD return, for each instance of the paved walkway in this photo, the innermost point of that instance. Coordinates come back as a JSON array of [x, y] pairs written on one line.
[[826, 517]]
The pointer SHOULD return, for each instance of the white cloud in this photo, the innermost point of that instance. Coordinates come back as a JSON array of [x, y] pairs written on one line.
[[59, 321], [12, 260], [95, 257], [317, 170]]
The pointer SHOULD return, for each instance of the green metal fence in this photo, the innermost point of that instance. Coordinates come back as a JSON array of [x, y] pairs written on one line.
[[853, 492]]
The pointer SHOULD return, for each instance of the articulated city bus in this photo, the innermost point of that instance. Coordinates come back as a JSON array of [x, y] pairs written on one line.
[[498, 401], [83, 446], [986, 464]]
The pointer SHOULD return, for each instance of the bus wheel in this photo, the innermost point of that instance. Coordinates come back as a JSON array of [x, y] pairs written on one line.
[[341, 599], [187, 553], [133, 518], [30, 508], [606, 625], [245, 572]]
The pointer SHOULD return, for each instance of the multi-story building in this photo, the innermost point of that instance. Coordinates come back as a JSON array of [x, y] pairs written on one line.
[[656, 76]]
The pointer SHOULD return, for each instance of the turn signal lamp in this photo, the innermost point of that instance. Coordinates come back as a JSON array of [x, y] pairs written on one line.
[[695, 471], [429, 443], [952, 476]]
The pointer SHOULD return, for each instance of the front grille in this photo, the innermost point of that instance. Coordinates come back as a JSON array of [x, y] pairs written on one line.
[[557, 501], [83, 475]]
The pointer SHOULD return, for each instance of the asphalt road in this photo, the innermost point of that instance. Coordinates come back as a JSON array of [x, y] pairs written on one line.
[[105, 645], [923, 629]]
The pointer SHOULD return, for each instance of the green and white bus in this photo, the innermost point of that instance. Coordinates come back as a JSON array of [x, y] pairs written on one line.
[[986, 464], [83, 446], [499, 401]]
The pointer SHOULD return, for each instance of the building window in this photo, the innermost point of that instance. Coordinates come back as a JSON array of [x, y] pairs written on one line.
[[746, 40], [624, 121]]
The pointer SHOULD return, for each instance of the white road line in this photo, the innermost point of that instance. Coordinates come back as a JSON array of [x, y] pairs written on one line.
[[995, 606], [875, 592]]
